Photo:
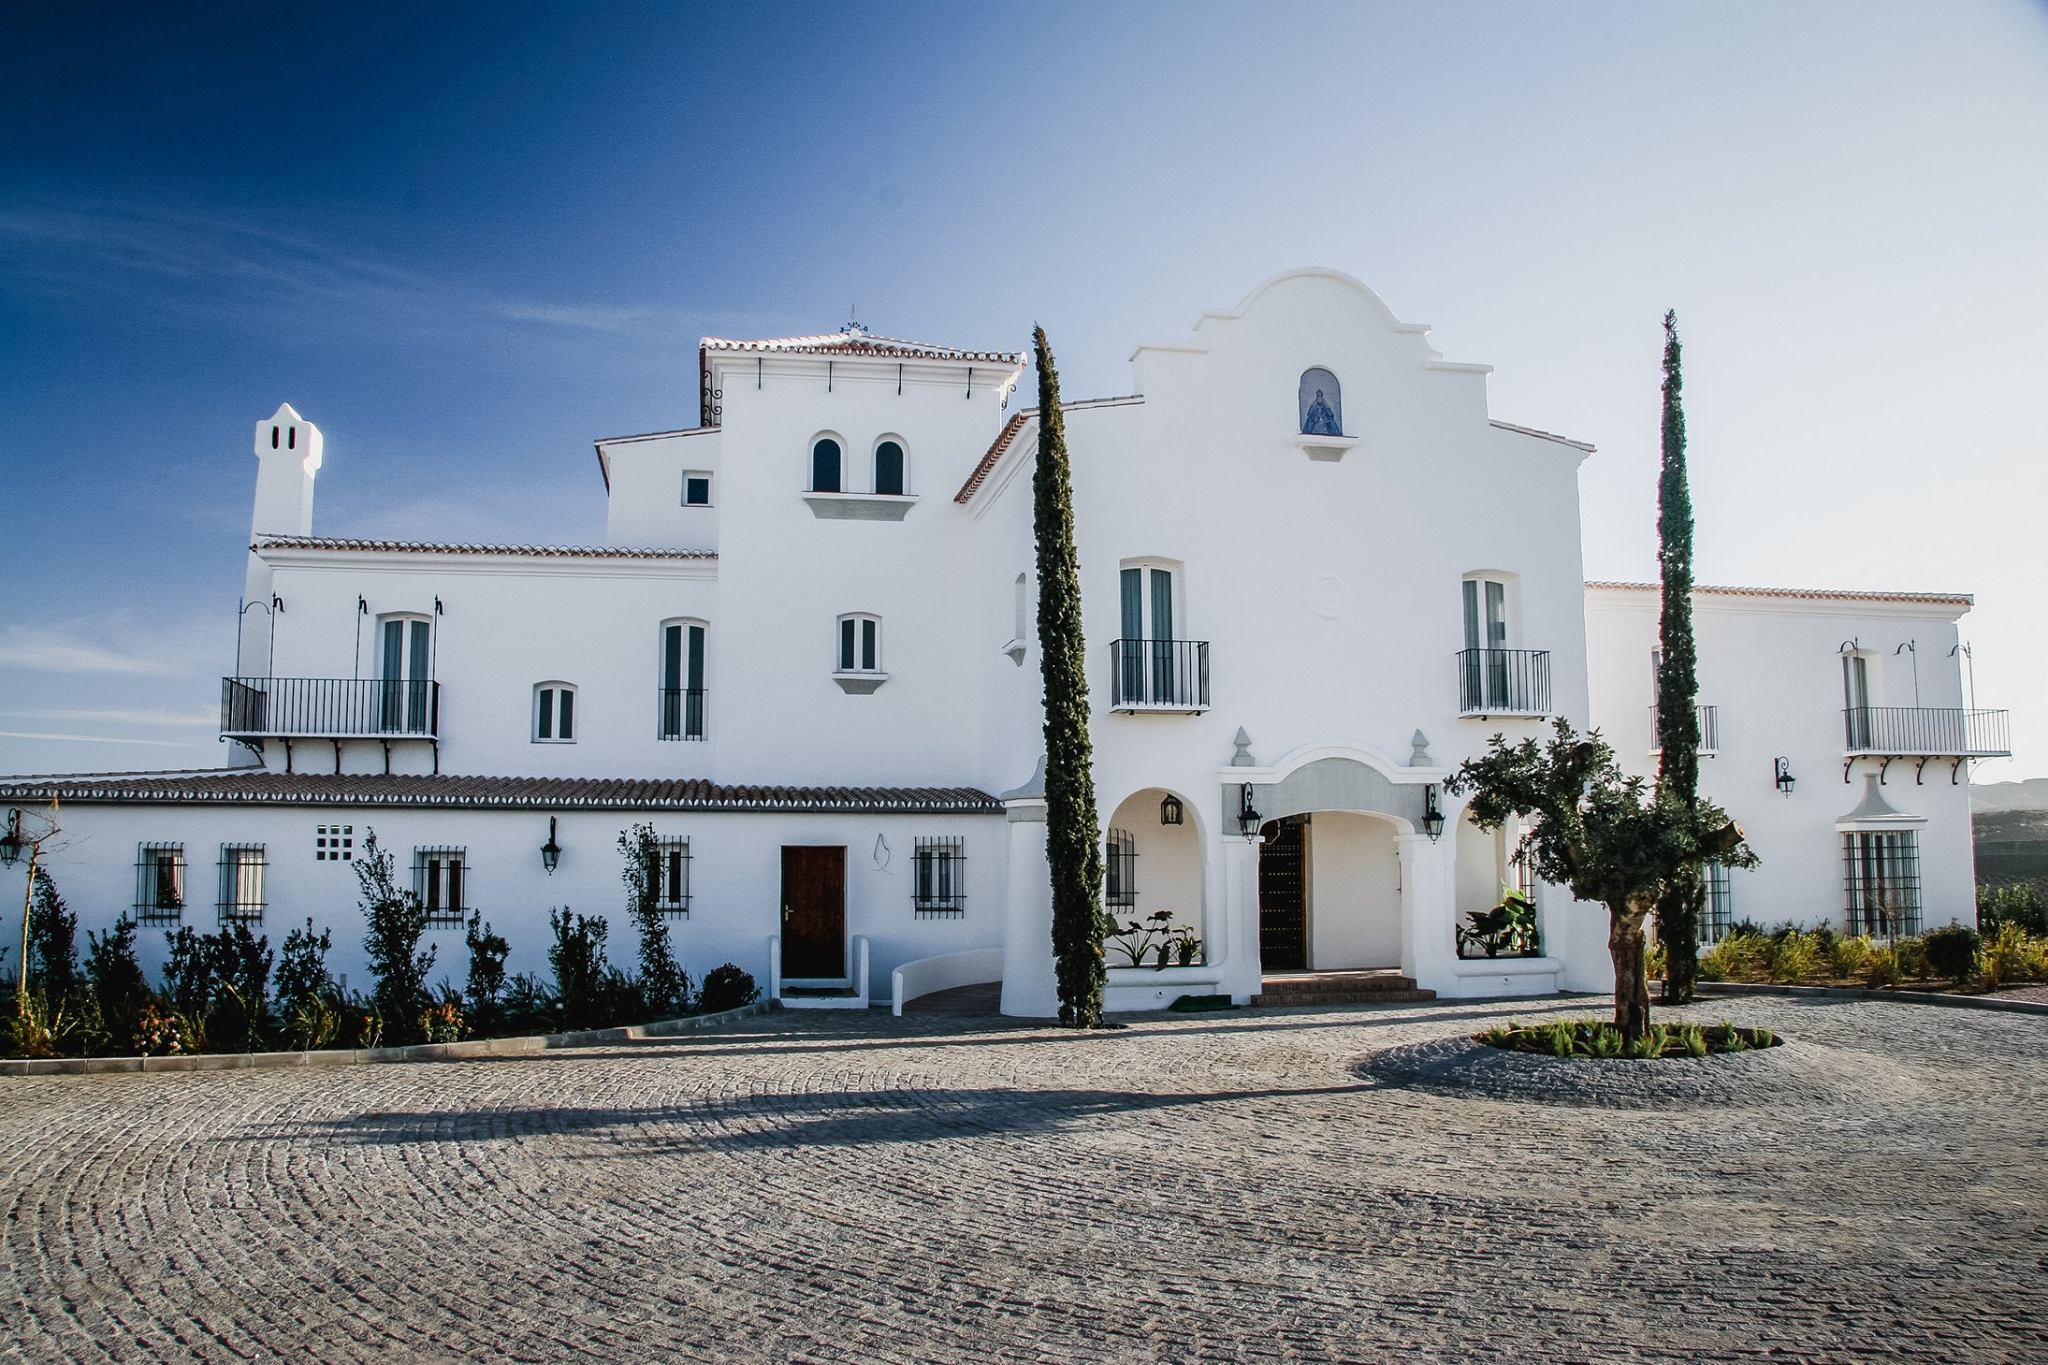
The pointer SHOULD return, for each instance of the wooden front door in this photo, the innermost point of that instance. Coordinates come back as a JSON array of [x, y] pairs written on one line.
[[1283, 895], [813, 911]]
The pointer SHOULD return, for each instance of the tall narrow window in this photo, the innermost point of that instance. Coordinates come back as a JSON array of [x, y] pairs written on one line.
[[1150, 668], [405, 701], [1489, 681], [1120, 871], [669, 877], [938, 883], [825, 455], [439, 879], [682, 680], [860, 644], [160, 884], [241, 883], [1856, 709], [1720, 906], [554, 713], [1881, 875], [889, 467]]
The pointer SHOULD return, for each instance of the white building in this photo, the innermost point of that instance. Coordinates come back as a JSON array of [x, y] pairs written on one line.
[[807, 655]]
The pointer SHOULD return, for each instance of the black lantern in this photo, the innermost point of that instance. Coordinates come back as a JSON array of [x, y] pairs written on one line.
[[1432, 815], [11, 843], [550, 852], [1247, 813], [1170, 811], [1781, 774]]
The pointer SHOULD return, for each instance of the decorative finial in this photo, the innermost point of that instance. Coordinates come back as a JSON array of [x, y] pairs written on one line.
[[1420, 757], [1243, 757]]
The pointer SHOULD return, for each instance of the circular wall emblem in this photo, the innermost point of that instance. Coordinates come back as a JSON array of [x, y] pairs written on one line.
[[1330, 597]]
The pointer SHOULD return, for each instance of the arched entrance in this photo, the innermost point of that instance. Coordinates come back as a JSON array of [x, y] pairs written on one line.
[[1153, 866]]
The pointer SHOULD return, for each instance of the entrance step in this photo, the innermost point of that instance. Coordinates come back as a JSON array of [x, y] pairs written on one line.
[[1339, 988], [822, 998]]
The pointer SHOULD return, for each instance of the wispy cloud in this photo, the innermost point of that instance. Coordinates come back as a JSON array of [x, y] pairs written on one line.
[[229, 266], [95, 739], [121, 716], [64, 649]]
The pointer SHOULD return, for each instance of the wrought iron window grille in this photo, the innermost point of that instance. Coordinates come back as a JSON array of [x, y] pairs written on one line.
[[440, 878], [939, 877], [1120, 871], [1881, 878], [160, 884], [669, 878], [241, 884]]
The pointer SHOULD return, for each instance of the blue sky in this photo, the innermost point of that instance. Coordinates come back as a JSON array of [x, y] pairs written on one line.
[[464, 241]]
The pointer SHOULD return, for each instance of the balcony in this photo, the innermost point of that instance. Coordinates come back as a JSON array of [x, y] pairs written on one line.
[[1924, 732], [682, 713], [330, 708], [1159, 675], [1710, 730], [1503, 682]]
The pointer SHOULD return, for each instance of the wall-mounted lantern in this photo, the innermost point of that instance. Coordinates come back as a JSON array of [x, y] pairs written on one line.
[[1781, 775], [1247, 814], [1432, 814], [1170, 811], [550, 852], [11, 843]]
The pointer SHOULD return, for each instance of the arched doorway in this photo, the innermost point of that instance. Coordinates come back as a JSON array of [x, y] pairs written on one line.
[[1153, 866]]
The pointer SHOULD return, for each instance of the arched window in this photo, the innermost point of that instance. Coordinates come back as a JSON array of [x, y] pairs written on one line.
[[1320, 403], [825, 459], [860, 643], [554, 713], [681, 697], [889, 467]]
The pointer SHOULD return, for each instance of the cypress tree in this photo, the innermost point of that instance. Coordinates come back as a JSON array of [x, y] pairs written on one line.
[[1072, 836], [1678, 726]]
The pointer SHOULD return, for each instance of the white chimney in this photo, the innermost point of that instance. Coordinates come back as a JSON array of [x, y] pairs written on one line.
[[287, 458]]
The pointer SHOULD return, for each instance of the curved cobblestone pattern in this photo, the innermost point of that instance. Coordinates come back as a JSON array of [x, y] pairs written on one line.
[[1214, 1187]]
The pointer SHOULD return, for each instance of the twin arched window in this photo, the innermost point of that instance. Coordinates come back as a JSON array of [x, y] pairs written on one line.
[[1320, 403], [554, 713], [828, 471]]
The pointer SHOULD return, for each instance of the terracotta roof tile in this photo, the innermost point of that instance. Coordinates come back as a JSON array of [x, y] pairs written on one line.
[[425, 547], [1940, 599], [238, 788], [1008, 435], [861, 343]]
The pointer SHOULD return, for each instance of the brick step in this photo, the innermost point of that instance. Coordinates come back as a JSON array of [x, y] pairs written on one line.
[[1317, 983], [1295, 999]]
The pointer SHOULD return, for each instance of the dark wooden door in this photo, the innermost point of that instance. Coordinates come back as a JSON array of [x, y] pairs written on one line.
[[813, 911], [1283, 895]]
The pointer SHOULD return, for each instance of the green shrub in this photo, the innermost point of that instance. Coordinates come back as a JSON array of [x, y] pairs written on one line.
[[1952, 952], [1848, 957], [188, 975], [2013, 955], [157, 1033], [487, 954], [241, 964], [1880, 966], [1912, 958], [581, 974], [2020, 904], [664, 986], [52, 944], [115, 976], [529, 1006], [1797, 957], [442, 1022], [397, 920], [302, 978], [727, 988]]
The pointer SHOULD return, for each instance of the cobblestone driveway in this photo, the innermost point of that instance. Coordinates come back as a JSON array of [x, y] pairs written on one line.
[[1222, 1187]]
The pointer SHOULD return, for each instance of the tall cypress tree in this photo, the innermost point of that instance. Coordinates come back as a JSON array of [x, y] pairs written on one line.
[[1072, 836], [1678, 726]]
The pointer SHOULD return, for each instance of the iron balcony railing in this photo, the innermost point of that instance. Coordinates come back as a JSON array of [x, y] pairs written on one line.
[[682, 713], [1159, 675], [330, 708], [1710, 730], [1925, 732], [1496, 682]]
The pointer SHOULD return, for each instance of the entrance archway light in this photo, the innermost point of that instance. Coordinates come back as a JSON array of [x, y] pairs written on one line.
[[1432, 814], [1170, 811], [550, 852], [1247, 813]]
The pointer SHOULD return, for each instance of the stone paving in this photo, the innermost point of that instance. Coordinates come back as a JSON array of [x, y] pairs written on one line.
[[1206, 1188]]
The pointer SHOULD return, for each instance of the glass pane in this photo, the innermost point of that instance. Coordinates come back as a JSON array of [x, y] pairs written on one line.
[[1162, 604], [1496, 615], [846, 654], [888, 468], [1471, 614], [544, 726], [695, 675], [867, 646], [1133, 603], [568, 726], [671, 658], [394, 649], [825, 467]]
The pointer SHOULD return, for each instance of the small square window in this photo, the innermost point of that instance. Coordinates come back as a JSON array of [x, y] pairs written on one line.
[[334, 844], [696, 488]]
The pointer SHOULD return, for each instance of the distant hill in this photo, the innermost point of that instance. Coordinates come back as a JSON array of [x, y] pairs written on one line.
[[2012, 845], [2031, 794]]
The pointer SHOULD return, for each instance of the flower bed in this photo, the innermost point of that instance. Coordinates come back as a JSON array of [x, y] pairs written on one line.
[[1598, 1039]]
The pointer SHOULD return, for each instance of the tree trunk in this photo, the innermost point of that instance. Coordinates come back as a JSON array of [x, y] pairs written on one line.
[[1625, 944]]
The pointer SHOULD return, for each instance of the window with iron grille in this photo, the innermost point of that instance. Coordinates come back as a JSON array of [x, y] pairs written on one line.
[[1881, 874], [160, 884], [669, 878], [1120, 871], [1718, 913], [241, 883], [334, 844], [939, 877], [440, 879]]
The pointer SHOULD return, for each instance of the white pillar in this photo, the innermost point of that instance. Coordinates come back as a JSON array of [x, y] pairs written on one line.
[[1240, 929], [1030, 984], [1428, 910]]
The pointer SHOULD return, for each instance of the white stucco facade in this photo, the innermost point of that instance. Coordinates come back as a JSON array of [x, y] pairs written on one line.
[[783, 648]]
